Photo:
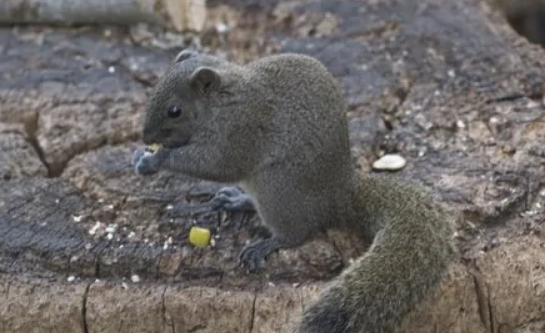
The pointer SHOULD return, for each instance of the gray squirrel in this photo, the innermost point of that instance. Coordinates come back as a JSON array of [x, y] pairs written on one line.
[[278, 127]]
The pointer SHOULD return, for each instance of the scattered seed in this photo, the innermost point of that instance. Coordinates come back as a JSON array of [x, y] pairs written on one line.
[[508, 150], [111, 228], [94, 229]]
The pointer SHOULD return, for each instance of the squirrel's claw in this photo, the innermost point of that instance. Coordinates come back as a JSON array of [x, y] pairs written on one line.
[[253, 255]]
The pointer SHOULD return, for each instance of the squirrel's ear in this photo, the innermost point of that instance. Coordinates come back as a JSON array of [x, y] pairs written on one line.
[[205, 80], [184, 54]]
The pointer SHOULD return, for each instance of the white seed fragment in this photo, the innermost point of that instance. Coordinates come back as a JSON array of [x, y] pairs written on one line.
[[390, 162], [71, 278], [94, 229], [111, 228], [135, 278]]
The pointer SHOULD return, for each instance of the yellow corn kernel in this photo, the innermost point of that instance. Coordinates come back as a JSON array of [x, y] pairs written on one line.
[[199, 237], [154, 147]]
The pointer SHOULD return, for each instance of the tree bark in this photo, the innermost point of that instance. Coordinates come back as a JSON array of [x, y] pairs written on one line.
[[181, 14], [86, 245]]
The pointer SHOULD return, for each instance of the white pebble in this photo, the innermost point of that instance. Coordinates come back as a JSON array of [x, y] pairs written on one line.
[[77, 218], [390, 162], [71, 278], [135, 278], [111, 69]]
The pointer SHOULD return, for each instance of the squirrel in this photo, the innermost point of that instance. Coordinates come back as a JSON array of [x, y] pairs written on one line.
[[278, 127], [526, 17]]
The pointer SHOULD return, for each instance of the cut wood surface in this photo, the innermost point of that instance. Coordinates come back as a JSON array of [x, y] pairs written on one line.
[[183, 15], [86, 245]]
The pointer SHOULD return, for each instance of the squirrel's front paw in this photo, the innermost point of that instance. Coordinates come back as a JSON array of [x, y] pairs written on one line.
[[232, 199], [145, 162], [253, 255]]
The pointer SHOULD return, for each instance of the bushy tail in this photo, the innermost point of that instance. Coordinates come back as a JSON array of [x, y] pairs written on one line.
[[405, 261]]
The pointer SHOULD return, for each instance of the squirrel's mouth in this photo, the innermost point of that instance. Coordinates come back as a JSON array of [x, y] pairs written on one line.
[[176, 143]]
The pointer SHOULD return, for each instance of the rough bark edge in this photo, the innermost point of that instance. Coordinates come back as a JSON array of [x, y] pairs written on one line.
[[476, 297]]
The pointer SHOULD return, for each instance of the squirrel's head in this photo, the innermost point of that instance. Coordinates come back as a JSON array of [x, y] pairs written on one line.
[[183, 99]]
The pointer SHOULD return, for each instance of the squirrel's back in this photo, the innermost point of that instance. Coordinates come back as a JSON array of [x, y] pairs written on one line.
[[304, 94]]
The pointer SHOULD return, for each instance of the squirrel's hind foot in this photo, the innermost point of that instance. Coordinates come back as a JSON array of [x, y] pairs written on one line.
[[252, 256]]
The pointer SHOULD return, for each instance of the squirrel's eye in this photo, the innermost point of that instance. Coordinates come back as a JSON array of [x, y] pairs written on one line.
[[174, 111]]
